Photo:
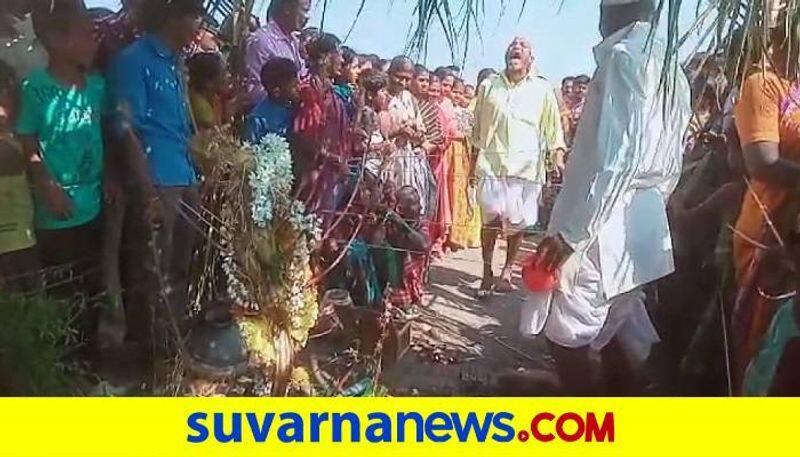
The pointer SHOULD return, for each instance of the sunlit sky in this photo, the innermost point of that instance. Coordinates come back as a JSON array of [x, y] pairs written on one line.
[[563, 31]]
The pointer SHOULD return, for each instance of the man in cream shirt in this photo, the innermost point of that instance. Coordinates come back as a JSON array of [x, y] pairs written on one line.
[[517, 129], [609, 233]]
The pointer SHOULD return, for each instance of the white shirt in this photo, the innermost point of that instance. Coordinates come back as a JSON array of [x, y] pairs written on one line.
[[625, 163]]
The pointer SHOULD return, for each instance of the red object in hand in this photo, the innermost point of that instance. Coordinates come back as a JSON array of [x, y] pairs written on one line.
[[537, 279]]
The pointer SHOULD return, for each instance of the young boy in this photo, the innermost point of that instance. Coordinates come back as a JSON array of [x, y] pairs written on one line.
[[407, 232], [18, 260], [59, 127], [149, 84], [274, 113]]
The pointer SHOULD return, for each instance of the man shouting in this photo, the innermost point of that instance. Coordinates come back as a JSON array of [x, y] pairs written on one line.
[[517, 126]]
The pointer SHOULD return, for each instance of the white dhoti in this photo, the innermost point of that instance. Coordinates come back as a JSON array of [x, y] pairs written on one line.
[[512, 201], [578, 314]]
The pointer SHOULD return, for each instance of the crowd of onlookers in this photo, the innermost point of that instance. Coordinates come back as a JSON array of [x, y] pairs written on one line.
[[401, 163], [98, 186], [573, 98]]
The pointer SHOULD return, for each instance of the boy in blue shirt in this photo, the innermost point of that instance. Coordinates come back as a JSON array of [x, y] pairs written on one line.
[[274, 113], [152, 101]]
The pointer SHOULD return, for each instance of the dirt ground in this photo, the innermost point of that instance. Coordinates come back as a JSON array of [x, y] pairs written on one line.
[[459, 346], [462, 346]]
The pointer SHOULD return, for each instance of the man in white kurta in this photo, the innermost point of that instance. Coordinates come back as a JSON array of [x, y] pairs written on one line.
[[609, 231]]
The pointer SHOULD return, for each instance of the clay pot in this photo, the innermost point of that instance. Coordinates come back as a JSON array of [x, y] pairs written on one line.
[[215, 345]]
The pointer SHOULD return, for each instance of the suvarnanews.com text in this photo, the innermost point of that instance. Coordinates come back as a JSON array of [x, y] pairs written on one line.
[[402, 427]]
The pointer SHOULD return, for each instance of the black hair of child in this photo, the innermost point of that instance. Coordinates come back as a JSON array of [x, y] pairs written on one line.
[[276, 72]]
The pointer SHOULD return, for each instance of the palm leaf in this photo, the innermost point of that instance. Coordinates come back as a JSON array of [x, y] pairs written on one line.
[[732, 30]]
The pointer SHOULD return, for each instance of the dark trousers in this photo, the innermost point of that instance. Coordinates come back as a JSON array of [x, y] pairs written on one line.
[[70, 259], [159, 289]]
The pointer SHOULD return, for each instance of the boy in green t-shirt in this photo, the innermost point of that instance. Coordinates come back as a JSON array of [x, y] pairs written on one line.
[[18, 260], [59, 126]]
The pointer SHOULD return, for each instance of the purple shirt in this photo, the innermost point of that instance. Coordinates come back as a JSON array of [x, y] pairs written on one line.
[[267, 42]]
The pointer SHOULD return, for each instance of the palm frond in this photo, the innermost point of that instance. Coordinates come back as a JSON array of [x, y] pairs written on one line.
[[732, 31]]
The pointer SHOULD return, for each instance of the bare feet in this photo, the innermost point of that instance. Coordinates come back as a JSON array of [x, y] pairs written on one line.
[[487, 284], [504, 284]]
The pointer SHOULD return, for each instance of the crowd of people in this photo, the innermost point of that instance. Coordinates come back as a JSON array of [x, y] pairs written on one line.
[[573, 96], [403, 164], [99, 111]]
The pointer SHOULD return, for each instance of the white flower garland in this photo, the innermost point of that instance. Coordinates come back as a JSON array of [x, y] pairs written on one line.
[[270, 179]]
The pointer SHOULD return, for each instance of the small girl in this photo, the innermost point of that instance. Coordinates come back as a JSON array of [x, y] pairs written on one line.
[[18, 258], [208, 84]]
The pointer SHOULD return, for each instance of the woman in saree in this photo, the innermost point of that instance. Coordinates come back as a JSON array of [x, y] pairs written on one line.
[[441, 93], [322, 132], [775, 368], [426, 89], [465, 231], [768, 121]]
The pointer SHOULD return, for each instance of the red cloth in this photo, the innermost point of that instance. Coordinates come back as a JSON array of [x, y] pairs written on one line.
[[414, 266], [321, 120], [321, 128]]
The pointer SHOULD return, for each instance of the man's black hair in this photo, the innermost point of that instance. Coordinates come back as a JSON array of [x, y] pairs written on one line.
[[444, 72], [420, 69], [348, 55], [583, 79], [278, 71], [160, 12], [275, 7], [322, 45], [99, 12]]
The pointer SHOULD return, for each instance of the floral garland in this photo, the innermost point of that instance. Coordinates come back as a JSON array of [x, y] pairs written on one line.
[[263, 244], [270, 179]]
